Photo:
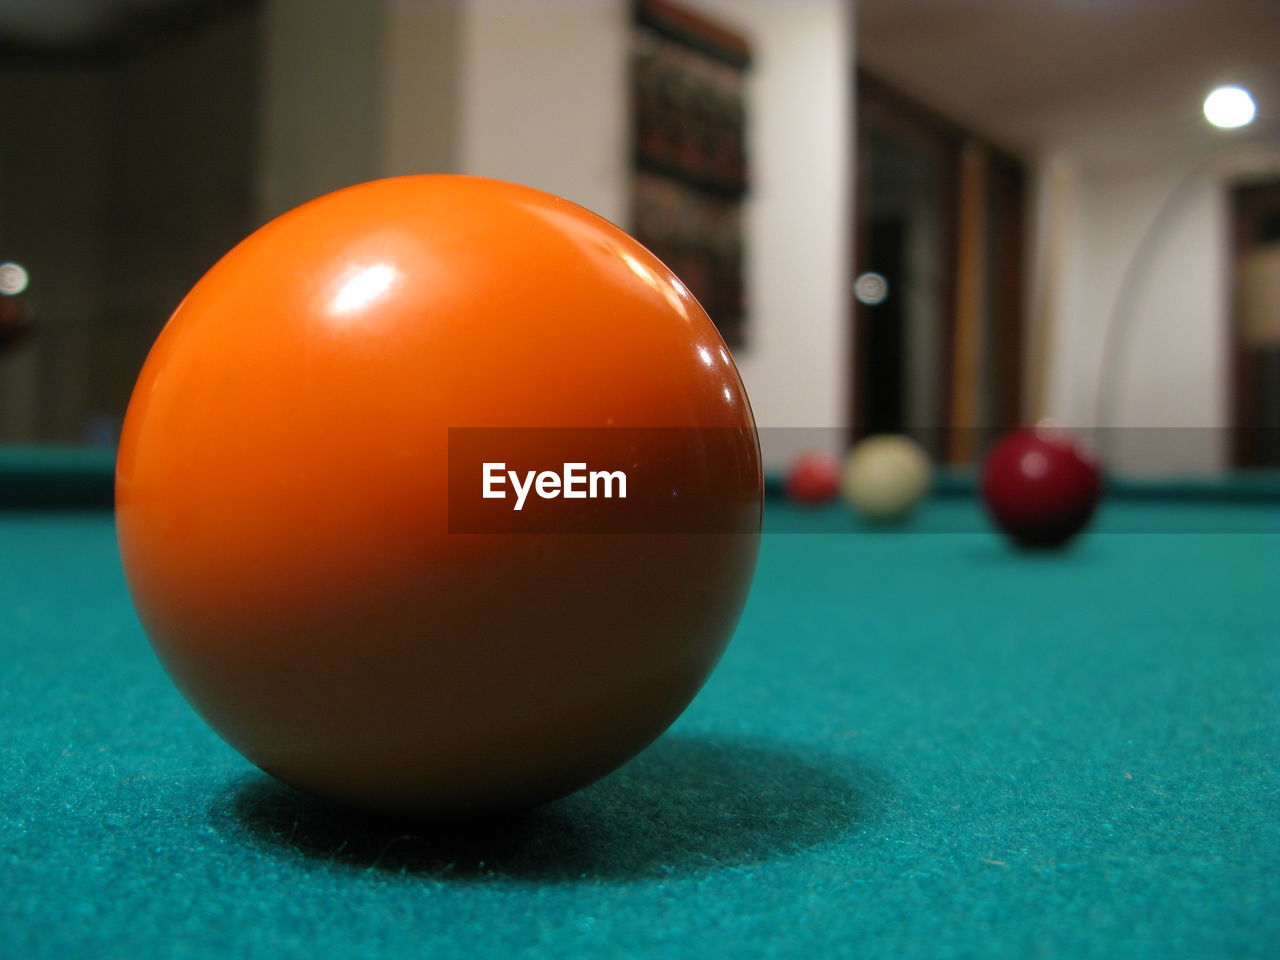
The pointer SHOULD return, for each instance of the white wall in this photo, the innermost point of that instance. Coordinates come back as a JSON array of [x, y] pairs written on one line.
[[535, 91], [1149, 364], [801, 118], [544, 102], [544, 99]]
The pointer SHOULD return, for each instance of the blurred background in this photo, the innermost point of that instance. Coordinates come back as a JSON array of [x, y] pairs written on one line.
[[938, 218]]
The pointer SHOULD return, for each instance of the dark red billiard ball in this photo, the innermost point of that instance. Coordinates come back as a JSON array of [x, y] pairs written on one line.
[[814, 478], [1040, 487]]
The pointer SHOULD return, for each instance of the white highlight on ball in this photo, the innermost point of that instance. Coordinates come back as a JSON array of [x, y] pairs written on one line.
[[363, 286]]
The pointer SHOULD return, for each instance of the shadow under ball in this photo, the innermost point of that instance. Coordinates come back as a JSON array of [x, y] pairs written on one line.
[[282, 497]]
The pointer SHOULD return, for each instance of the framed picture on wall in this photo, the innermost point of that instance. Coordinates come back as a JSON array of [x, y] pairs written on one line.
[[689, 155]]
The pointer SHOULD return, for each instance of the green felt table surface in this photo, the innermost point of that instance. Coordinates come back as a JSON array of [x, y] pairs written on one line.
[[919, 744]]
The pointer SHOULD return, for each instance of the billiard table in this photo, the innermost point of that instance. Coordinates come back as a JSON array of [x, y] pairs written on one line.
[[921, 743]]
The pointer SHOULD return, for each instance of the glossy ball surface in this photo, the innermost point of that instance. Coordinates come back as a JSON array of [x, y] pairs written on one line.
[[283, 499], [814, 478], [1039, 487], [886, 477]]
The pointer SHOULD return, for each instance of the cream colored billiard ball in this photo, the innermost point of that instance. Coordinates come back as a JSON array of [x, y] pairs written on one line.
[[885, 477]]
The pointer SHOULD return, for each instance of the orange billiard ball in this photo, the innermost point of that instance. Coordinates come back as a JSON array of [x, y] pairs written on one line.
[[284, 497]]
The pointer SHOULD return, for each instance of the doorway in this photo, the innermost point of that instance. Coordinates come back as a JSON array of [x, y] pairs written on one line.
[[938, 295], [1255, 329]]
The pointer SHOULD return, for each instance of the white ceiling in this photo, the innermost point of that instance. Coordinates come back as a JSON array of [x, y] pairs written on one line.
[[1112, 82]]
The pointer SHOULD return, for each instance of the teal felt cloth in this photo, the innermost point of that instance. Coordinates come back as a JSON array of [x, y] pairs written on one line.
[[919, 744]]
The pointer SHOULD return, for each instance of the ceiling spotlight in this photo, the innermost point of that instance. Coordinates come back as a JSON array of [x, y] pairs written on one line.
[[1229, 107]]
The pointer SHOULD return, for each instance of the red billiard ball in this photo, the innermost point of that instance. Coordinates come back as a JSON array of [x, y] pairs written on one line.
[[1040, 487], [814, 478], [285, 513]]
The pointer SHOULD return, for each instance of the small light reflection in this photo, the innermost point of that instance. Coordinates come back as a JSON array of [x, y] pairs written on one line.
[[1035, 464], [362, 287], [13, 279], [871, 288], [705, 356], [728, 396], [673, 292], [639, 269], [1048, 429]]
